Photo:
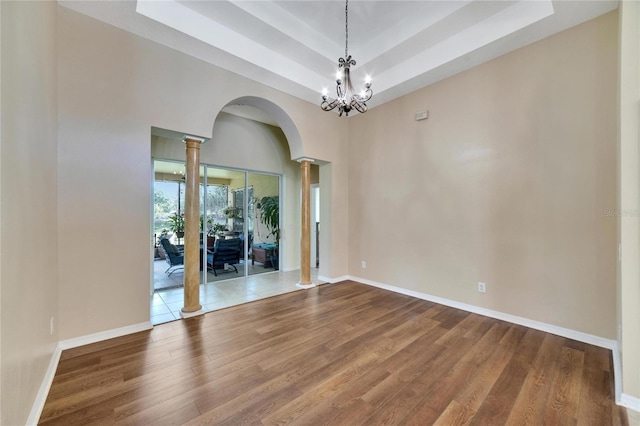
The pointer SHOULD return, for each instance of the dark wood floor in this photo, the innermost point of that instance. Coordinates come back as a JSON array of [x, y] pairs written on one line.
[[342, 354]]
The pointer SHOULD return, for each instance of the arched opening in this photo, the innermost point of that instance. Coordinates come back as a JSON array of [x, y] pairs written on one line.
[[279, 116], [252, 142]]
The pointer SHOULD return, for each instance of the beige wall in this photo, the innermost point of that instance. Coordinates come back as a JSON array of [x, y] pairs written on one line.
[[29, 228], [114, 87], [629, 134], [505, 183]]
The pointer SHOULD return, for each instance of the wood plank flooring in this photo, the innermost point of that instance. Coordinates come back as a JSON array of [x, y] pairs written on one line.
[[341, 354]]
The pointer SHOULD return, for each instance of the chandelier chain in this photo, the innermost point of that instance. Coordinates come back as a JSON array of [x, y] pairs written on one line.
[[346, 28]]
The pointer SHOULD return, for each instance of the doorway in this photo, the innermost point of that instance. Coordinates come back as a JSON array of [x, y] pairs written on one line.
[[238, 208]]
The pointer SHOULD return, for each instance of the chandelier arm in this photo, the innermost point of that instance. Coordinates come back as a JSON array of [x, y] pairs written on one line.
[[330, 104], [367, 95], [361, 107]]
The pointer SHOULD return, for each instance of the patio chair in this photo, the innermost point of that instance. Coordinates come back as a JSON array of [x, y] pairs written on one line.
[[173, 256], [225, 252]]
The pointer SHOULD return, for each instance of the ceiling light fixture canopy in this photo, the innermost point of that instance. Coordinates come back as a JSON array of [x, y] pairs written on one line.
[[347, 99]]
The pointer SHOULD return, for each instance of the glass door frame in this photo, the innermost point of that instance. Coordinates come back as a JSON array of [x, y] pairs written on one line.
[[245, 210]]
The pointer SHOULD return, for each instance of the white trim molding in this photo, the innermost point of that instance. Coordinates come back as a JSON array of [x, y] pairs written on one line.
[[329, 280], [617, 372], [45, 386], [630, 402], [621, 399], [105, 335], [537, 325]]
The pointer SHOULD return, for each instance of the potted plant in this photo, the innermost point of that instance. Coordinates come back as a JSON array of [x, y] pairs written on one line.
[[176, 224], [218, 229], [231, 212], [208, 231], [269, 207]]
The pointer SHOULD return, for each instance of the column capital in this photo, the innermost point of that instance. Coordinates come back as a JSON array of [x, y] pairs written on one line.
[[189, 138]]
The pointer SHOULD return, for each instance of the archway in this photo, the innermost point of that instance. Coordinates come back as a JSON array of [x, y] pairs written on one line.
[[292, 135], [280, 116]]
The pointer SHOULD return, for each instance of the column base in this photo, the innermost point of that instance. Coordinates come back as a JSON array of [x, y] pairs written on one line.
[[184, 314], [305, 286]]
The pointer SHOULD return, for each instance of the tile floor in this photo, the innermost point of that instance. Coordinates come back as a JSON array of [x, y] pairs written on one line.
[[162, 280], [166, 303]]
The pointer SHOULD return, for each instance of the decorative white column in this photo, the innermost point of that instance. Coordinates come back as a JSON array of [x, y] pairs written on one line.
[[192, 305], [305, 240]]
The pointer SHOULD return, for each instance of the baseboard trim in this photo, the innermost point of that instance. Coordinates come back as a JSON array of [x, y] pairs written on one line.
[[45, 386], [105, 335], [622, 399], [630, 402], [332, 280], [537, 325], [291, 268], [617, 372]]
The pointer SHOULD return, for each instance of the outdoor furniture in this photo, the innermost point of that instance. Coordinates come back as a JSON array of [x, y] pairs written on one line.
[[225, 252], [173, 256], [262, 252]]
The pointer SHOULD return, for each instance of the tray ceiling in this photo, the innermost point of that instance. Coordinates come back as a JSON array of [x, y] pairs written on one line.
[[294, 46]]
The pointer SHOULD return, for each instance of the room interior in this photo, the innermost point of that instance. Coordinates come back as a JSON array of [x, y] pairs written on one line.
[[502, 155]]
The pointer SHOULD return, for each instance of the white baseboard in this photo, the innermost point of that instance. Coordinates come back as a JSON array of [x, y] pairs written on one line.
[[621, 399], [630, 402], [333, 280], [617, 372], [537, 325], [43, 392], [105, 335], [291, 268]]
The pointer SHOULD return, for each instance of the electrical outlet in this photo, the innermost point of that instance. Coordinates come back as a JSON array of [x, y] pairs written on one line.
[[364, 264], [51, 326], [482, 287]]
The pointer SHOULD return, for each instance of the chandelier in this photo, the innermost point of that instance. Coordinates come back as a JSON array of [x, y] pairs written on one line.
[[347, 99]]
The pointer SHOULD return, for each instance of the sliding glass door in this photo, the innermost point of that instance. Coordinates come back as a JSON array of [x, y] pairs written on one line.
[[223, 224], [239, 222], [243, 207], [264, 222]]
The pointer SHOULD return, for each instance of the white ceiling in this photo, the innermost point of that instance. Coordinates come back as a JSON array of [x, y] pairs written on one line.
[[294, 46]]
